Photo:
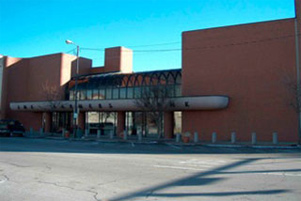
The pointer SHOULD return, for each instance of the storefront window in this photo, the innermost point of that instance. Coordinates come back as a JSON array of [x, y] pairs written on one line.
[[89, 94], [130, 92], [109, 93], [122, 93], [71, 95], [60, 121], [122, 86], [171, 90], [105, 122], [178, 90], [82, 95], [115, 93], [95, 94], [101, 94], [137, 92]]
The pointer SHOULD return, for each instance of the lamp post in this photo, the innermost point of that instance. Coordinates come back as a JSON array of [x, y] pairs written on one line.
[[75, 114]]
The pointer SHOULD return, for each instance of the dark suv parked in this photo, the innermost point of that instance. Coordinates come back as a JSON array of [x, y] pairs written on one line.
[[11, 128]]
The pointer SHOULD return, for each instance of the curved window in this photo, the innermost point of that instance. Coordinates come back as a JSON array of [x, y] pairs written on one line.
[[126, 86]]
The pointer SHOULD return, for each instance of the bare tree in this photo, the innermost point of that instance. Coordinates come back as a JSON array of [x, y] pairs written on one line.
[[155, 100], [294, 99], [52, 95], [106, 116]]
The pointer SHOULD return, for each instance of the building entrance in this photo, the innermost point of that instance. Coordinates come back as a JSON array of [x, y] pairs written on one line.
[[60, 120], [142, 122], [106, 122]]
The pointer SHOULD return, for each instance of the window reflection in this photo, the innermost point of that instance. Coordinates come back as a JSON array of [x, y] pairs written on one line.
[[89, 95], [115, 93], [109, 93], [127, 86], [102, 94], [122, 93], [95, 94]]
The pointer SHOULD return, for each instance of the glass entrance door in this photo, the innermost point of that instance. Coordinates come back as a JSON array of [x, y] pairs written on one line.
[[142, 122], [106, 122]]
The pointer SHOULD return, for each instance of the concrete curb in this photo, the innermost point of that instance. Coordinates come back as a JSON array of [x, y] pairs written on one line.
[[254, 146], [157, 142]]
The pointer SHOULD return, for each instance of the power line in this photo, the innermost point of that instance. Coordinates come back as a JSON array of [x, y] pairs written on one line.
[[136, 46], [159, 44], [72, 50], [204, 47]]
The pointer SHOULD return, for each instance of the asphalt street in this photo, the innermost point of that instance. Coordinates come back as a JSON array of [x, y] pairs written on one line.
[[45, 169]]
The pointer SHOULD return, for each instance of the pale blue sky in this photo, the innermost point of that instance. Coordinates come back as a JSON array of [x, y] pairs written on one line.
[[35, 27]]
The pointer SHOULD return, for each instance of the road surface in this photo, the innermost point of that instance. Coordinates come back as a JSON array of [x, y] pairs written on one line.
[[48, 170]]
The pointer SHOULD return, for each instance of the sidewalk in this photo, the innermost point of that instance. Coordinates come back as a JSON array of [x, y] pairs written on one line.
[[172, 142]]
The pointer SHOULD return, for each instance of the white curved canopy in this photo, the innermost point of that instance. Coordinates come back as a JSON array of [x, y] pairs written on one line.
[[177, 104]]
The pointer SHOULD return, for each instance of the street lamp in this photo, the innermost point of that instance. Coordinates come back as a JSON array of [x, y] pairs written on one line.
[[75, 115]]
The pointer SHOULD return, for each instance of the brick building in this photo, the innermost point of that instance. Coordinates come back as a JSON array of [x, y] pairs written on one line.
[[233, 79]]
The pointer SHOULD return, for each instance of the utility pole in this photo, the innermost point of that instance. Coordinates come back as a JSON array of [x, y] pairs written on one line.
[[76, 110], [297, 45]]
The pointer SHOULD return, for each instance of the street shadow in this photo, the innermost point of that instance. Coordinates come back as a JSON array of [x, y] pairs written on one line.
[[265, 192], [261, 171], [196, 179]]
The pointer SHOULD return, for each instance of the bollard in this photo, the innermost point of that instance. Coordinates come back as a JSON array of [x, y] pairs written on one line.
[[233, 137], [275, 138], [196, 137], [67, 133], [214, 137], [178, 137], [186, 137], [63, 133], [254, 138], [86, 132], [41, 131], [139, 134], [125, 135], [111, 134], [31, 131], [98, 133]]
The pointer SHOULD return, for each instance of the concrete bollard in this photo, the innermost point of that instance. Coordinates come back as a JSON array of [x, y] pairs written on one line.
[[111, 134], [139, 134], [186, 137], [275, 138], [233, 137], [41, 131], [98, 133], [125, 135], [178, 137], [195, 137], [63, 133], [214, 137], [254, 140]]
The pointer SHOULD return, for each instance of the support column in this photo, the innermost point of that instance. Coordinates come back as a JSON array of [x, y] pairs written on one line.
[[168, 125], [120, 123], [47, 121], [81, 120]]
